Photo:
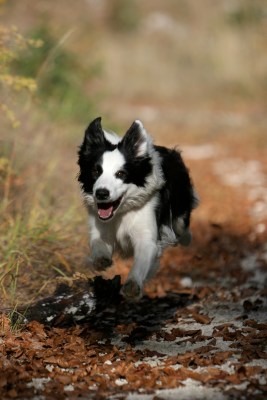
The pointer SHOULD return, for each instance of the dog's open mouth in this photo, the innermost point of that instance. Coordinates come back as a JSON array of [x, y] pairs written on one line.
[[106, 210]]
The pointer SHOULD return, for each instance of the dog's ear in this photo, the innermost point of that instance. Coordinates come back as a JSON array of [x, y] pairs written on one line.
[[94, 134], [136, 139]]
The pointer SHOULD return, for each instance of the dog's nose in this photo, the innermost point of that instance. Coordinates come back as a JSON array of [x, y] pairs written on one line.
[[102, 194]]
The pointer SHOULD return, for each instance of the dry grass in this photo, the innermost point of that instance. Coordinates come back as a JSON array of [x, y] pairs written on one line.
[[38, 212]]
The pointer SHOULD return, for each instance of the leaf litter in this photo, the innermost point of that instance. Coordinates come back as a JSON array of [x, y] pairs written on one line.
[[199, 332]]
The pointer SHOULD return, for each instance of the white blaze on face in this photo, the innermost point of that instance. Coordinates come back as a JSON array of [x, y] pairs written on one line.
[[112, 162]]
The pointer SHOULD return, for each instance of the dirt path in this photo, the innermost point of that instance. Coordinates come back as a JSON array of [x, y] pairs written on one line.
[[200, 332]]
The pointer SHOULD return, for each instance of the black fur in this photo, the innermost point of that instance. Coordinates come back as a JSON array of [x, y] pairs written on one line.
[[137, 167], [136, 178], [95, 144], [90, 154], [176, 196]]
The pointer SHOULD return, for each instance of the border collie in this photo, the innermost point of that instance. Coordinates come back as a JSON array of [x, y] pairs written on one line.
[[139, 197]]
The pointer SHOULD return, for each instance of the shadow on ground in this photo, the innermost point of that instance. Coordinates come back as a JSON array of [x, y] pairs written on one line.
[[97, 305], [144, 318]]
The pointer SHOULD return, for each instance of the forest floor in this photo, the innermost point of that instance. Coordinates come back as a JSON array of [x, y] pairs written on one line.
[[188, 71], [199, 332]]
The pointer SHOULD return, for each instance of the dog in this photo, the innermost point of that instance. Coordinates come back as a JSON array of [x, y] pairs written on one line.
[[139, 198]]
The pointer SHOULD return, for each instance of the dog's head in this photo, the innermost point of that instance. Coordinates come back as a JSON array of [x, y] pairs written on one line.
[[117, 173]]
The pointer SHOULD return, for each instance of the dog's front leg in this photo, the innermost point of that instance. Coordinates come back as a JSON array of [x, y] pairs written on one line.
[[101, 255], [146, 260], [101, 248]]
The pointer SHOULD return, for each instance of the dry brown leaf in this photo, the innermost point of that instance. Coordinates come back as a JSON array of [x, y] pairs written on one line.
[[202, 319], [37, 328], [65, 379]]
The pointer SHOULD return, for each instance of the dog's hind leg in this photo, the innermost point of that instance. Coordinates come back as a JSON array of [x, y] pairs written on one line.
[[182, 231], [186, 238]]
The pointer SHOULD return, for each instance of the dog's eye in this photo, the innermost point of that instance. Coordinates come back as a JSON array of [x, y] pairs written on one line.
[[120, 174], [96, 172]]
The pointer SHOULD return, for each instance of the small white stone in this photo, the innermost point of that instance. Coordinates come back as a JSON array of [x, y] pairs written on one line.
[[121, 382], [38, 383], [186, 281], [50, 318], [260, 228], [49, 367], [69, 388]]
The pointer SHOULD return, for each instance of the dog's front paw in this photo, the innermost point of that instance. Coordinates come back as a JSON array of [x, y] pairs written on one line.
[[131, 290], [99, 264], [102, 263]]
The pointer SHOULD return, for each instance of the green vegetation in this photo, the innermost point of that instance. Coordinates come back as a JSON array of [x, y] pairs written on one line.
[[59, 75], [30, 249], [249, 13], [11, 42], [31, 229], [124, 15]]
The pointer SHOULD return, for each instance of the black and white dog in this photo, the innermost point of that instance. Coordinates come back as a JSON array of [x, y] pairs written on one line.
[[139, 197]]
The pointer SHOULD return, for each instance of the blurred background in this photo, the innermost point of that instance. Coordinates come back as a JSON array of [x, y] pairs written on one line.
[[194, 72]]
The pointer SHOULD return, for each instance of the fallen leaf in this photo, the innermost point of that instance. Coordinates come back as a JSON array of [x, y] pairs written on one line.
[[202, 319]]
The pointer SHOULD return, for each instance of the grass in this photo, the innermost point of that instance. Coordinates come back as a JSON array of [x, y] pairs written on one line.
[[35, 225], [34, 251], [124, 16], [59, 75], [40, 211], [18, 247], [246, 14], [36, 233]]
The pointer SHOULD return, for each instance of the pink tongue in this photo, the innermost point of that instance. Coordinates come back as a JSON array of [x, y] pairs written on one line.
[[105, 212]]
